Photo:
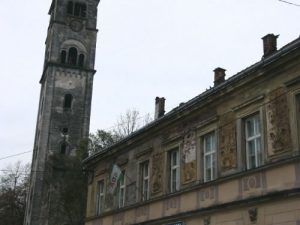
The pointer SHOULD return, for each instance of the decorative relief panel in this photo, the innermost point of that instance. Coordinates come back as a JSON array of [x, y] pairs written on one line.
[[207, 195], [171, 206], [251, 184], [142, 213], [157, 172], [118, 219], [278, 122], [98, 222], [227, 142], [189, 157]]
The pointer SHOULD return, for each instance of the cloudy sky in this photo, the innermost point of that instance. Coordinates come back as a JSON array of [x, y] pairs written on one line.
[[146, 48]]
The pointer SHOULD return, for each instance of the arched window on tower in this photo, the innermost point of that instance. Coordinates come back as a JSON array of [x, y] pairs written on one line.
[[64, 148], [72, 57], [68, 101], [81, 60], [63, 56]]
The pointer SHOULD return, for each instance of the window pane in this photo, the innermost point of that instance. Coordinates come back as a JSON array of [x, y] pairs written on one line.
[[257, 126], [122, 190], [100, 197], [72, 58], [146, 169], [208, 144], [250, 128], [144, 179], [253, 142], [122, 180], [214, 166], [209, 157], [251, 147], [174, 158], [208, 161], [174, 170], [208, 174], [259, 152]]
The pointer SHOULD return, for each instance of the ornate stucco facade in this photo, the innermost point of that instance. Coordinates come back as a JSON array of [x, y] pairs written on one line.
[[228, 156]]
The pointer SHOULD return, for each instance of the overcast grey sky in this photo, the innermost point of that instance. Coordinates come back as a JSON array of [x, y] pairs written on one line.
[[146, 48]]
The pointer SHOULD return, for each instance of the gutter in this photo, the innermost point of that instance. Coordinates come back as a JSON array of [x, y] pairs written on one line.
[[290, 47]]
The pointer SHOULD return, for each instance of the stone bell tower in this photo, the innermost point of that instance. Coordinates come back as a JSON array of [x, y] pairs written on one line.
[[65, 98]]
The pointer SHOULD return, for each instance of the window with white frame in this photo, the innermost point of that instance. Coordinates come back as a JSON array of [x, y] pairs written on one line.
[[209, 157], [122, 187], [144, 180], [253, 141], [174, 170], [100, 197]]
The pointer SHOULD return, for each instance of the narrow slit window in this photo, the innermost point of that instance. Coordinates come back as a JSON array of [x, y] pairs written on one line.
[[63, 56], [68, 101], [81, 60], [65, 131], [63, 148]]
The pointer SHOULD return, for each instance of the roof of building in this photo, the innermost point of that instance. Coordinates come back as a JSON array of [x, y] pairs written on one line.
[[290, 47]]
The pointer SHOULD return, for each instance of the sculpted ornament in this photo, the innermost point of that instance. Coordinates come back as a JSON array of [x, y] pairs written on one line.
[[189, 157], [228, 145], [157, 172], [76, 25], [278, 121]]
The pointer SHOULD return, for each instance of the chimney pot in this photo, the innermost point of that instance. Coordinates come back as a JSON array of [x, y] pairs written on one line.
[[159, 107], [219, 76], [270, 44]]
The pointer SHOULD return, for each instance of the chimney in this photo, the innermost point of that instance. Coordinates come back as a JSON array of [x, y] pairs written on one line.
[[159, 107], [219, 76], [270, 44]]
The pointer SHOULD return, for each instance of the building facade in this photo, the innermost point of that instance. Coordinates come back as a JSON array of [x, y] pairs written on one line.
[[65, 100], [229, 156]]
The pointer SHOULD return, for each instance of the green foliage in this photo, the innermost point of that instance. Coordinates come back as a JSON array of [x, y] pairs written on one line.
[[101, 140], [69, 186], [127, 123], [14, 182]]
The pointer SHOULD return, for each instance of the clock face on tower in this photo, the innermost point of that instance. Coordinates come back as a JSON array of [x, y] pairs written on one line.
[[76, 25]]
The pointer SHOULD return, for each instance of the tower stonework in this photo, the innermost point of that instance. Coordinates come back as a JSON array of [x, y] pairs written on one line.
[[65, 98]]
